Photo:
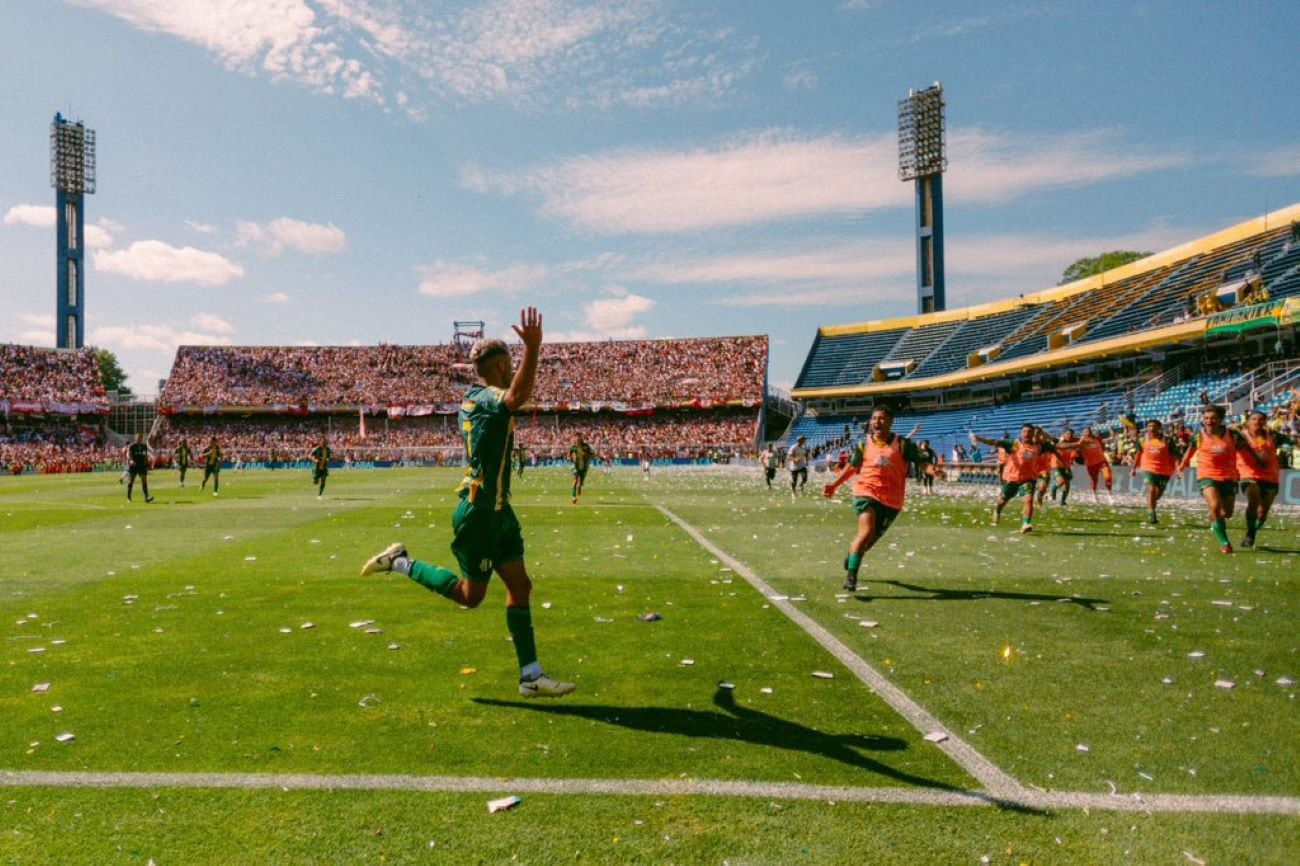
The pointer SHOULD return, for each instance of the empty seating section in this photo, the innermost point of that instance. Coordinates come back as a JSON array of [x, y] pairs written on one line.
[[1184, 399], [973, 334], [847, 359], [918, 343], [947, 428]]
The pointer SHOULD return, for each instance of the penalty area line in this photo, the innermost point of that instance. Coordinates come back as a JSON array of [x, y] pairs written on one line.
[[998, 783]]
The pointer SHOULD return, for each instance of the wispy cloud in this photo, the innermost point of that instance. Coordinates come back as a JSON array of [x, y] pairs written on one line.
[[1280, 162], [403, 54], [156, 261], [152, 338], [35, 215], [285, 233], [782, 176], [211, 323], [450, 280], [276, 298]]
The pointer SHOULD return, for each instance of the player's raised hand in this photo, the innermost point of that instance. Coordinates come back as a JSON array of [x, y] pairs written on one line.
[[829, 491], [529, 328]]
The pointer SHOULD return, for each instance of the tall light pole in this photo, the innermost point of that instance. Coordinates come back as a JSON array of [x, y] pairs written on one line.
[[922, 157], [72, 174]]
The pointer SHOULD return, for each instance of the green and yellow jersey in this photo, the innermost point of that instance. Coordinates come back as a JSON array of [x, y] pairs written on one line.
[[488, 430]]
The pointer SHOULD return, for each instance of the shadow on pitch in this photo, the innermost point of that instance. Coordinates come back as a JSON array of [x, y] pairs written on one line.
[[738, 723], [935, 594]]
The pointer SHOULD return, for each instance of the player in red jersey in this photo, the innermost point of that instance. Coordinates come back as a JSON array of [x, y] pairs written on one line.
[[880, 465], [1215, 447], [1260, 473], [1156, 461]]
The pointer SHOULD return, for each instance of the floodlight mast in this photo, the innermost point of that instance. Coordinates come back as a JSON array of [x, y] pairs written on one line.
[[72, 174], [922, 157]]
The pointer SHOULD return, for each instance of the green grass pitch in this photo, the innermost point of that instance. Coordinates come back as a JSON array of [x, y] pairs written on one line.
[[233, 635]]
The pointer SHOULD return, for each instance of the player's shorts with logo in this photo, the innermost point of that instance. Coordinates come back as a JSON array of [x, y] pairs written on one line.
[[884, 514], [484, 539], [1156, 480], [1012, 489]]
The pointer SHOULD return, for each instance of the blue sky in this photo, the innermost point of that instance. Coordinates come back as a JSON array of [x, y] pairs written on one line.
[[357, 171]]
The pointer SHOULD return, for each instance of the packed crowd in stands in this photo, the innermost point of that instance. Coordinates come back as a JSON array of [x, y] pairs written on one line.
[[628, 371], [32, 374], [52, 449], [283, 439]]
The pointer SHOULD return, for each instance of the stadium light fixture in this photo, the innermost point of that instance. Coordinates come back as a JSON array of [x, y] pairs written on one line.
[[72, 174], [921, 147]]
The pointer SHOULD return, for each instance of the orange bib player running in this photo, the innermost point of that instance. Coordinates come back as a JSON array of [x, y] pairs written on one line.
[[1062, 469], [1025, 460], [1260, 473], [1215, 447], [1157, 464], [879, 471], [1092, 448]]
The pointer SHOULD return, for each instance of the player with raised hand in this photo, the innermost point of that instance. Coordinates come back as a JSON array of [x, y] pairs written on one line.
[[880, 465], [1216, 447], [487, 536], [1020, 473]]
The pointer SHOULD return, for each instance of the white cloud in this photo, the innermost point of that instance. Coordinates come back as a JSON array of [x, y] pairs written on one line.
[[34, 215], [200, 227], [835, 264], [781, 176], [279, 234], [799, 80], [1281, 162], [586, 53], [446, 280], [283, 38], [98, 237], [211, 323], [277, 298], [152, 338], [155, 261], [613, 316]]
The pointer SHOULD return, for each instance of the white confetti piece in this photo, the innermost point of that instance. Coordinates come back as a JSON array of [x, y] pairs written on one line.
[[1284, 681], [1224, 684], [1082, 749], [361, 623], [687, 662], [1221, 603], [286, 630], [546, 605], [66, 738], [374, 631], [394, 646], [307, 625], [503, 804], [868, 623], [41, 688], [935, 737], [37, 649], [823, 675], [727, 686], [767, 690], [1196, 654]]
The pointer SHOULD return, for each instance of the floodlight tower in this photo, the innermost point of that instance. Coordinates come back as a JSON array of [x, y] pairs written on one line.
[[72, 174], [922, 157]]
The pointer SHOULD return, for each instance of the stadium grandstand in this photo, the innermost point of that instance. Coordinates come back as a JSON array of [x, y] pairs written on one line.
[[676, 399], [53, 406], [1212, 320]]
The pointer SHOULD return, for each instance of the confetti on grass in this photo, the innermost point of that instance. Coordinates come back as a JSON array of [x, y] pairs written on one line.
[[503, 804]]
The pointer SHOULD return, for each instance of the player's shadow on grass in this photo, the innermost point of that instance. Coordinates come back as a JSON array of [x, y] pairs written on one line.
[[936, 594], [738, 723]]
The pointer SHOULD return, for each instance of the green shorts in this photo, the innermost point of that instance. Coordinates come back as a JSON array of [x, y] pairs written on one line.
[[318, 473], [1152, 479], [485, 539], [580, 474], [1062, 474], [1264, 486], [1012, 489], [1227, 489], [884, 514]]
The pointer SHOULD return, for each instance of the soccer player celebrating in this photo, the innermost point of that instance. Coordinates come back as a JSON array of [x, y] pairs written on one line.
[[798, 458], [1215, 447], [1261, 473], [320, 470], [1156, 461], [770, 460], [581, 454], [137, 458], [1062, 471], [880, 463], [1092, 447], [1020, 473], [487, 535], [183, 457], [211, 466]]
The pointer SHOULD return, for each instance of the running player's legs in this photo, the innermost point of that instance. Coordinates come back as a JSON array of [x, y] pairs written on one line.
[[1094, 472]]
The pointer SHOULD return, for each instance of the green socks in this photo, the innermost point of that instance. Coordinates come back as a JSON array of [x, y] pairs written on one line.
[[1220, 530], [433, 577], [519, 622], [852, 563]]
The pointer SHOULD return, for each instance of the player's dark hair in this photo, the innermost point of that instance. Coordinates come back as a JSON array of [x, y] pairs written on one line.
[[883, 408], [1218, 411]]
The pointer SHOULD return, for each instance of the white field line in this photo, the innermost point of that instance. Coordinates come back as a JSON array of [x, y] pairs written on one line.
[[998, 783], [1025, 798]]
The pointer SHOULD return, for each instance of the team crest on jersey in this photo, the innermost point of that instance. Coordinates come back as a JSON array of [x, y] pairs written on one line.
[[883, 460], [485, 565]]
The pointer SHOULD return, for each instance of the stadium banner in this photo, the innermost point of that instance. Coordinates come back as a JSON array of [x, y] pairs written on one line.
[[1272, 314]]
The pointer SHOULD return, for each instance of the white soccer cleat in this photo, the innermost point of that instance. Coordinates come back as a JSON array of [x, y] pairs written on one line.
[[544, 687], [384, 561]]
